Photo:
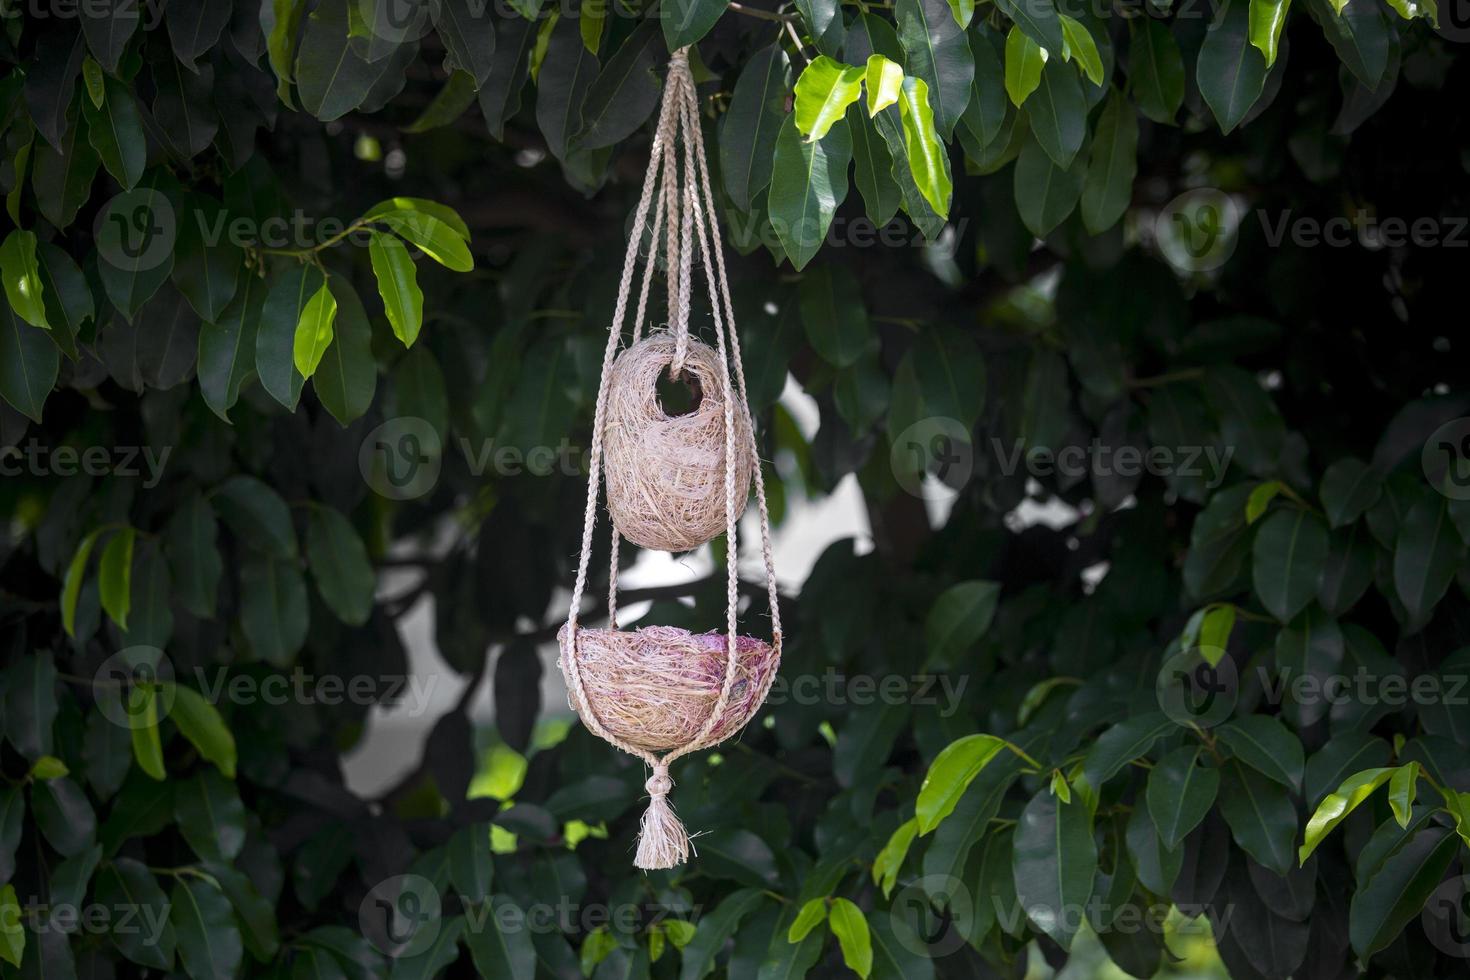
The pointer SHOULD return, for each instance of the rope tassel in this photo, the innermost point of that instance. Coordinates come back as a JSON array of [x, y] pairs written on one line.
[[662, 840]]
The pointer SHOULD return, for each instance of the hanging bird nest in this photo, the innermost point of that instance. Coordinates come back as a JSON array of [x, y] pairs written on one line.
[[654, 688], [666, 474]]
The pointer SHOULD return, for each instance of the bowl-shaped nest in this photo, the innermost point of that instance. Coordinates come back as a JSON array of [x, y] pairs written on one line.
[[655, 687], [666, 474]]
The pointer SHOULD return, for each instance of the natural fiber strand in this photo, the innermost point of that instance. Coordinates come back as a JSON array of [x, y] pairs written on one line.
[[665, 475]]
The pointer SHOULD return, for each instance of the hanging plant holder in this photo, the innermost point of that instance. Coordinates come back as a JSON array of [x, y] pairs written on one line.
[[673, 482]]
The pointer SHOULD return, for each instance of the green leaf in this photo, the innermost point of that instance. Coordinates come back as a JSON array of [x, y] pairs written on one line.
[[143, 722], [115, 130], [1426, 557], [227, 349], [1079, 46], [207, 264], [68, 296], [1338, 759], [836, 319], [210, 815], [1045, 193], [1267, 17], [125, 883], [193, 554], [1054, 864], [808, 182], [1338, 804], [255, 913], [1038, 20], [200, 722], [714, 930], [1260, 499], [435, 237], [1057, 111], [498, 952], [290, 291], [823, 92], [1216, 626], [1267, 746], [1180, 793], [468, 33], [851, 930], [348, 375], [1288, 556], [889, 862], [12, 929], [1024, 61], [1261, 816], [257, 515], [1107, 190], [1395, 895], [273, 609], [49, 767], [626, 90], [456, 95], [22, 277], [1349, 488], [884, 79], [985, 113], [938, 53], [336, 73], [1124, 742], [1231, 72], [471, 867], [951, 773], [339, 565], [812, 914], [872, 168], [64, 815], [71, 583], [1155, 69], [1403, 788], [421, 206], [12, 821], [749, 127], [29, 364], [314, 331], [686, 21], [1361, 36], [590, 22], [403, 301], [926, 154], [115, 575], [959, 617], [208, 943]]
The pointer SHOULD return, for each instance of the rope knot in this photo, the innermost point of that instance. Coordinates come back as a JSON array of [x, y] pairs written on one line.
[[659, 783]]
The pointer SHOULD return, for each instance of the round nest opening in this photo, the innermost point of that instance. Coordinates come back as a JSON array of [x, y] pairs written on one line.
[[655, 687], [666, 473]]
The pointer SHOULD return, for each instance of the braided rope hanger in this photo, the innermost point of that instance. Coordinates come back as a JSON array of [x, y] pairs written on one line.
[[681, 214]]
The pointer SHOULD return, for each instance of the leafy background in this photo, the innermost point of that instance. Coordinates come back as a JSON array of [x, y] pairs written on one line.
[[485, 159]]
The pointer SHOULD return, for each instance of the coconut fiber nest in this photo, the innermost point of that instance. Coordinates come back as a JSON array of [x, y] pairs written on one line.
[[655, 687], [666, 474]]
